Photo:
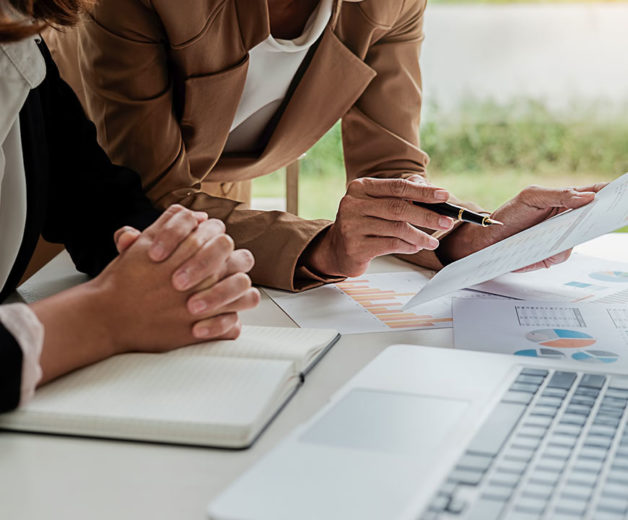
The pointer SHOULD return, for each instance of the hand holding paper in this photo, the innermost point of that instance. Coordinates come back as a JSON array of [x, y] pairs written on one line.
[[559, 233]]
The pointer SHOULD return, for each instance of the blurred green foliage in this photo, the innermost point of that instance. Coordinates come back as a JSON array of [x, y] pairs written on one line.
[[485, 152]]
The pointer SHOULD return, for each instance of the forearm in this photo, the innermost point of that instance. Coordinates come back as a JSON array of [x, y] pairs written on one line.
[[76, 331]]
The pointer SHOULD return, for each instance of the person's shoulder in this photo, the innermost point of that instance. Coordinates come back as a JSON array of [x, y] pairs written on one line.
[[387, 14]]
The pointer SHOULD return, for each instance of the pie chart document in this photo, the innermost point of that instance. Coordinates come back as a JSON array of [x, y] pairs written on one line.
[[592, 333], [608, 212]]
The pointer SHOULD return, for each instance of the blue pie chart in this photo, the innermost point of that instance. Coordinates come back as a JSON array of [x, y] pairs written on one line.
[[595, 356], [610, 276], [541, 353]]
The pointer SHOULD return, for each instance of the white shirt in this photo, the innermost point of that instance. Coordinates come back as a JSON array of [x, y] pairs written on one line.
[[272, 66], [22, 68]]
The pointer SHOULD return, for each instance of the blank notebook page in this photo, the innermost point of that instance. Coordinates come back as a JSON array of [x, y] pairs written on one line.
[[196, 399], [298, 345]]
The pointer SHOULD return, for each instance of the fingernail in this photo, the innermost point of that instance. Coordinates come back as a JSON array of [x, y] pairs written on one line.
[[433, 243], [201, 333], [445, 222], [441, 195], [157, 252], [181, 280], [197, 307]]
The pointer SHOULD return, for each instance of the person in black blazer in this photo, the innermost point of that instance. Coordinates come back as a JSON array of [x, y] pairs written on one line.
[[177, 282]]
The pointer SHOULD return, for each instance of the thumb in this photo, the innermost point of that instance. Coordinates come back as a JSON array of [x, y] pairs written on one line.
[[545, 198], [125, 237]]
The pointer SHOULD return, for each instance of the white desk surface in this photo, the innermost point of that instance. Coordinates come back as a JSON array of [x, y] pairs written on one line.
[[70, 478]]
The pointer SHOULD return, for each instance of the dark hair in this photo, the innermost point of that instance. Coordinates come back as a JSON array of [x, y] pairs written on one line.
[[39, 14]]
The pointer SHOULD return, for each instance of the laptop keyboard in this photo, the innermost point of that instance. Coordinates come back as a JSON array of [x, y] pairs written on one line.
[[555, 447]]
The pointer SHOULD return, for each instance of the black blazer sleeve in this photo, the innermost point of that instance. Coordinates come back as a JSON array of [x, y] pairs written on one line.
[[87, 197], [10, 371]]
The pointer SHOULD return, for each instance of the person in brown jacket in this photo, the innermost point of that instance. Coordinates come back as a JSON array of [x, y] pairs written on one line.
[[201, 96]]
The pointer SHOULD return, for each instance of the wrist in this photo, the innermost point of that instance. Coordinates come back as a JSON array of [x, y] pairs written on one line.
[[456, 244], [318, 256], [76, 331]]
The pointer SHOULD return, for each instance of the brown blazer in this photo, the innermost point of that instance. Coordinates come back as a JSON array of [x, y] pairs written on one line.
[[162, 80]]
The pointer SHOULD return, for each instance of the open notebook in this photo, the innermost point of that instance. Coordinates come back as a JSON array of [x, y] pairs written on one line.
[[220, 394]]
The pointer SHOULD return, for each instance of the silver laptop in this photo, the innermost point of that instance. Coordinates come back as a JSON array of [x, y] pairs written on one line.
[[424, 434]]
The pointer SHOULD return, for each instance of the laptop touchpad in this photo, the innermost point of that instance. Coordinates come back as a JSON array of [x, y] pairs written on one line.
[[387, 421]]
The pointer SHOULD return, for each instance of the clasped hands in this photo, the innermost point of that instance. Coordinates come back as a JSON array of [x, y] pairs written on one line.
[[178, 282], [376, 217]]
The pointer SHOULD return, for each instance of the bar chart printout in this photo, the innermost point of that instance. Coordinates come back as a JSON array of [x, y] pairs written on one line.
[[369, 303], [386, 305]]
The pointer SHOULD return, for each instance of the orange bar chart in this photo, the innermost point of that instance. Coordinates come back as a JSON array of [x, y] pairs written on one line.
[[367, 304], [386, 305]]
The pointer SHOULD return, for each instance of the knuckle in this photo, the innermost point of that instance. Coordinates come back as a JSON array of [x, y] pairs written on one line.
[[242, 281], [397, 208], [173, 209], [398, 187], [357, 185], [400, 228], [196, 241], [222, 243], [216, 223]]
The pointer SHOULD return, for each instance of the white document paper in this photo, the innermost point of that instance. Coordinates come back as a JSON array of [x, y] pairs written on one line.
[[608, 212], [591, 333], [370, 303], [581, 279]]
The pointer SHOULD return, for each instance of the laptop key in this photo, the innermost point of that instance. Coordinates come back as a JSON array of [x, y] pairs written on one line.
[[562, 380], [573, 430], [526, 442], [588, 466], [517, 397], [619, 382], [529, 379], [607, 420], [583, 400], [592, 381], [496, 429], [534, 372], [524, 387], [554, 392], [571, 507], [595, 453], [540, 476], [457, 506], [616, 392], [512, 466], [547, 411], [578, 420], [601, 430], [562, 440], [468, 477], [538, 420], [588, 392], [532, 431], [597, 441], [507, 480], [549, 401], [543, 491], [474, 462], [557, 452], [613, 504], [578, 409], [613, 489], [614, 402], [523, 455], [486, 508], [617, 476], [531, 505]]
